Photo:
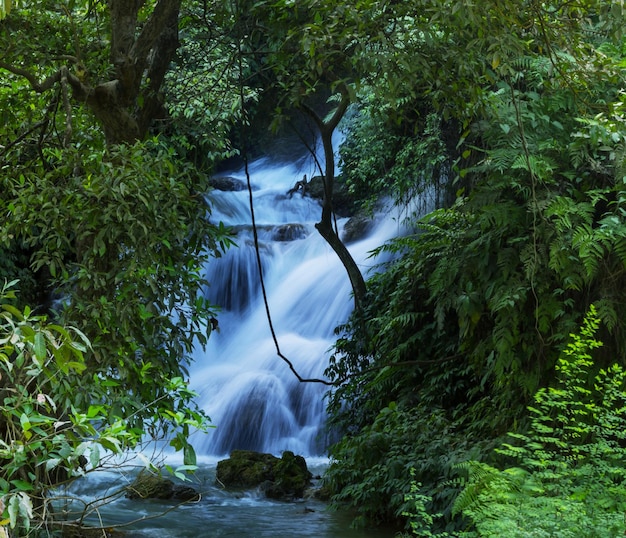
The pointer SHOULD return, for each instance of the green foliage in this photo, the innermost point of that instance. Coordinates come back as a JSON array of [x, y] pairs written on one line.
[[123, 242], [378, 159], [420, 519], [373, 470], [108, 231], [470, 313], [58, 422], [5, 8], [45, 438], [571, 480], [203, 95]]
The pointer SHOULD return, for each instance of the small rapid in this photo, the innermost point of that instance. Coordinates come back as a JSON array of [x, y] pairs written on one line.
[[253, 398]]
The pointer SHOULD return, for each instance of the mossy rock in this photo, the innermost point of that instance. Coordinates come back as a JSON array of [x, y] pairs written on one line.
[[343, 204], [279, 478], [292, 477], [149, 485], [245, 469]]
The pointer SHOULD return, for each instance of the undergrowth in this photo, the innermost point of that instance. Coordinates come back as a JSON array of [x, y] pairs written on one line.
[[569, 477]]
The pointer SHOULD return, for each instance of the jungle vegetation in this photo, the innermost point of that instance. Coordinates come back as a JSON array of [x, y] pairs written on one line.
[[471, 396]]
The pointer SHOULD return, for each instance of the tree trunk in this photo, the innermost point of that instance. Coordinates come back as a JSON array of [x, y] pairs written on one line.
[[141, 53], [325, 226]]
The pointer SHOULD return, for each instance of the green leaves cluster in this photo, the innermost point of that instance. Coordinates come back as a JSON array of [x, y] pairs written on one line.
[[400, 164], [5, 8], [58, 421], [470, 313], [203, 93], [374, 468], [123, 236], [571, 477], [45, 439]]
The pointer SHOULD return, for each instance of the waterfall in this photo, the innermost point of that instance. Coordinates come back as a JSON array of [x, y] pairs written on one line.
[[250, 394]]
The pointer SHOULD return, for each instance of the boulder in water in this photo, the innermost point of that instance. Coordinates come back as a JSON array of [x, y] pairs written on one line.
[[289, 232], [343, 203], [283, 478], [228, 184], [291, 478], [356, 228], [149, 485]]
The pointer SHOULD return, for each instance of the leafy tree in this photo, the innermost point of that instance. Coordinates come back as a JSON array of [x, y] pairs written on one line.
[[105, 226], [129, 272], [468, 318], [57, 423], [122, 88]]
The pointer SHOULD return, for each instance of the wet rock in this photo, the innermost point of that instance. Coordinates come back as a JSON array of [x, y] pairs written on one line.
[[283, 478], [321, 493], [356, 228], [246, 469], [291, 478], [289, 232], [227, 183], [342, 201], [149, 485]]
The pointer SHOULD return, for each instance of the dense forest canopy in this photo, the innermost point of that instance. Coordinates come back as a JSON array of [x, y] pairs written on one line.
[[507, 116]]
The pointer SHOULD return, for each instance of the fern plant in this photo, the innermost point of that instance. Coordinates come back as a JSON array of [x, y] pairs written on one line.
[[571, 478], [420, 519]]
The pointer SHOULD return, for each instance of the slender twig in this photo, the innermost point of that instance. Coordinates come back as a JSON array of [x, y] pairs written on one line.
[[67, 137], [34, 127], [256, 236], [535, 208]]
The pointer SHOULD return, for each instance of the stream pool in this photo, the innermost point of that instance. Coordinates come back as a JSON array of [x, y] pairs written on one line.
[[219, 513]]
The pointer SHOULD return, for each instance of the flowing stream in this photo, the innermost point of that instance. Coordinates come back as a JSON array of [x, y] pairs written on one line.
[[249, 392], [220, 513], [252, 397]]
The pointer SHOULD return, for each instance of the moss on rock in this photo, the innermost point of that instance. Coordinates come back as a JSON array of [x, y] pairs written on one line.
[[279, 478]]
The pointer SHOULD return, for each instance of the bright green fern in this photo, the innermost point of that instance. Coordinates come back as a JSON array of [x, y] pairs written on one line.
[[571, 478]]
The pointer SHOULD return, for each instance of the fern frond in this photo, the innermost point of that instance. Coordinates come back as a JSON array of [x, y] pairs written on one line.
[[483, 480], [590, 250], [607, 313]]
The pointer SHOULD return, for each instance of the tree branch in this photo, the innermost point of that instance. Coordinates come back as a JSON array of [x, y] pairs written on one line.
[[39, 87], [158, 21], [123, 25]]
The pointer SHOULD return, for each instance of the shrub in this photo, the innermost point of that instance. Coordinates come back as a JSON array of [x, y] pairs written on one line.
[[571, 474]]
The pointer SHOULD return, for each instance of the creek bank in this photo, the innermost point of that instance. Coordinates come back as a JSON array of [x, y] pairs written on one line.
[[286, 478]]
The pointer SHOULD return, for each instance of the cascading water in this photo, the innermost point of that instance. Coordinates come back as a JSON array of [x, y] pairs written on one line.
[[249, 392]]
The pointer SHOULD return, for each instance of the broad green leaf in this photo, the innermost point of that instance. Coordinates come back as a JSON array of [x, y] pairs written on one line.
[[189, 455], [39, 346], [94, 455]]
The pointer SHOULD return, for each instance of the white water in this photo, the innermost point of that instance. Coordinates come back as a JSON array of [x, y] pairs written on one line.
[[250, 394]]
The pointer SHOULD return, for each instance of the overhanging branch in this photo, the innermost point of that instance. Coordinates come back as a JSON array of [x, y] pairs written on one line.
[[39, 87]]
